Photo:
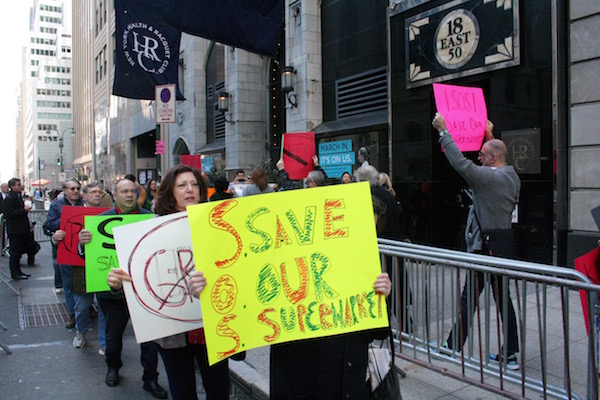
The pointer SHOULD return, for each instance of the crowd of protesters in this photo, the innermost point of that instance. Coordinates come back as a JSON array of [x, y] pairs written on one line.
[[300, 369]]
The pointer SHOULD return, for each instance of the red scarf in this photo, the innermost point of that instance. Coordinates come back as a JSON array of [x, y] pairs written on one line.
[[119, 211]]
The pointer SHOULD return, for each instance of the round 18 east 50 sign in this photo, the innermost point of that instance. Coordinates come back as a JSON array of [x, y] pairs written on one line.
[[456, 39]]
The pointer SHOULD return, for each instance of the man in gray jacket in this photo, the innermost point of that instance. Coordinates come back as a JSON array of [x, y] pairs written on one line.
[[495, 187]]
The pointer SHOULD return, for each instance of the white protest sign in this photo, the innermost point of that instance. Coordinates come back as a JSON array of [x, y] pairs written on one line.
[[157, 254]]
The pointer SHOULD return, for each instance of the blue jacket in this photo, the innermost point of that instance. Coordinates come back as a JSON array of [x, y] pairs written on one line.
[[52, 223]]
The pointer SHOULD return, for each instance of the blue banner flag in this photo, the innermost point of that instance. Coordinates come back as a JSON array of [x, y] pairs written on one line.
[[253, 25], [147, 50]]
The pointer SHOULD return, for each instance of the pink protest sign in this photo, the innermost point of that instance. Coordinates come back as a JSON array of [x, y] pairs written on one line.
[[465, 113]]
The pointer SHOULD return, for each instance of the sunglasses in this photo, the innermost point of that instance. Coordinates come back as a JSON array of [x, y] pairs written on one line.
[[74, 188]]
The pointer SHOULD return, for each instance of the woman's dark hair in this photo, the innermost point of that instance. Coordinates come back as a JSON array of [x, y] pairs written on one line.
[[148, 185], [221, 183], [259, 177], [165, 201]]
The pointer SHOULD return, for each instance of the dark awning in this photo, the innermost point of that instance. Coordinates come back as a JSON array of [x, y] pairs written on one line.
[[211, 147], [352, 125]]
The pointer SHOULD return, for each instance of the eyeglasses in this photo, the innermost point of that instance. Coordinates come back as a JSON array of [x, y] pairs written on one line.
[[482, 154], [74, 188]]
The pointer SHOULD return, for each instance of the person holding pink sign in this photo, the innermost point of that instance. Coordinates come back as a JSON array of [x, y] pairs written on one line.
[[495, 187]]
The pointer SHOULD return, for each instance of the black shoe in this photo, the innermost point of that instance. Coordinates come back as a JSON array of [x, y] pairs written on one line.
[[27, 275], [71, 323], [112, 377], [31, 260], [156, 390], [20, 277]]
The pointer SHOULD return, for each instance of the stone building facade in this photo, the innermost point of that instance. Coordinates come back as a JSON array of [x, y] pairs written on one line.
[[348, 87]]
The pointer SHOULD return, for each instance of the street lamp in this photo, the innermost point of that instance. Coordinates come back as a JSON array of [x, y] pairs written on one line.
[[41, 166], [61, 145]]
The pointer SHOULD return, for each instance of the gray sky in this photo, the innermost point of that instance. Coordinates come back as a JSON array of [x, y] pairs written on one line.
[[14, 24]]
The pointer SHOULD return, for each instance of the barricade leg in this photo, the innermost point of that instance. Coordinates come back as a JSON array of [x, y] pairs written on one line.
[[2, 344]]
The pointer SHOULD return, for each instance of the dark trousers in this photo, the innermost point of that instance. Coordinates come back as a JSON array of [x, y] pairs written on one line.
[[469, 300], [179, 364], [18, 244], [3, 228], [57, 277], [117, 316]]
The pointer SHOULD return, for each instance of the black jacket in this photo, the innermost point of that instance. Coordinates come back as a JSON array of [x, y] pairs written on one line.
[[2, 203], [332, 367], [285, 183], [392, 228], [17, 222]]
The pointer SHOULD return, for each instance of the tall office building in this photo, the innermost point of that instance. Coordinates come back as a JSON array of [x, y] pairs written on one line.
[[46, 94]]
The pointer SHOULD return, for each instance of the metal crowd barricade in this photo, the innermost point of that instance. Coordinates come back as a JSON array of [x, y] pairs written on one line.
[[39, 217], [557, 359]]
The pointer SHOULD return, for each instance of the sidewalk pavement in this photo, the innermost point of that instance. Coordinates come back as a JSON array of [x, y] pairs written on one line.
[[45, 365]]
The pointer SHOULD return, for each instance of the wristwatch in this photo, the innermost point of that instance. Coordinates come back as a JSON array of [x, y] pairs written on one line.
[[442, 133]]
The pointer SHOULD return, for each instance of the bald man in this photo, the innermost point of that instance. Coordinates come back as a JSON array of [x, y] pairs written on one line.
[[495, 187]]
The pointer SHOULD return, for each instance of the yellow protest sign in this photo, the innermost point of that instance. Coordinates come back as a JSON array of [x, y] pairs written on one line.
[[287, 266]]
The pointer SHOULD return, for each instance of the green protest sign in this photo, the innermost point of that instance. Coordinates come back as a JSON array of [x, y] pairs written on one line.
[[101, 253]]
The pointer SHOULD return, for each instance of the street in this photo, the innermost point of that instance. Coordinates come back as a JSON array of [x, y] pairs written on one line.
[[44, 364]]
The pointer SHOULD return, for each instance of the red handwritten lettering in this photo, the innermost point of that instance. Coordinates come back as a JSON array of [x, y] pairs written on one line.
[[263, 319], [330, 205], [349, 321], [216, 221], [298, 295], [301, 313], [360, 304], [223, 295], [224, 330], [282, 236], [380, 300], [324, 310]]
